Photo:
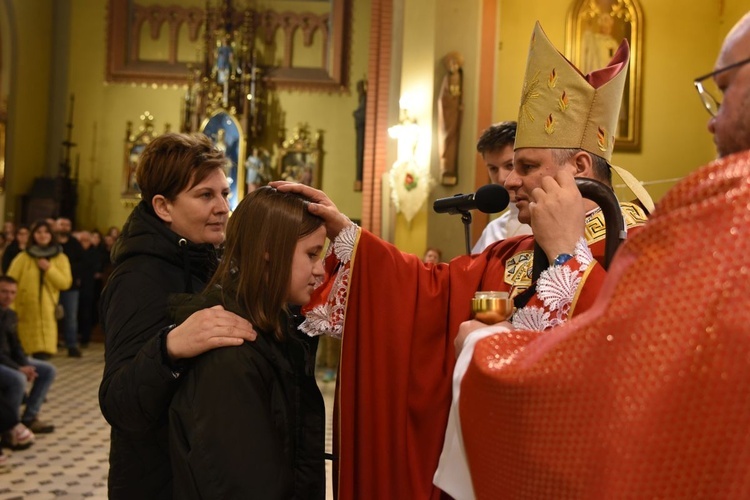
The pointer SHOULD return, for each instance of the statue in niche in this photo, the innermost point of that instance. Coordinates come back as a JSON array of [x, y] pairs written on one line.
[[223, 68], [224, 59], [450, 110], [359, 126], [258, 170]]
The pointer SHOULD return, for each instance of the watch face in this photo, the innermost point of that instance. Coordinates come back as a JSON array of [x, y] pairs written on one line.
[[562, 259]]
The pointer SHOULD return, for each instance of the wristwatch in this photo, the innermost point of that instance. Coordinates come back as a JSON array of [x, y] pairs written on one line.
[[562, 259]]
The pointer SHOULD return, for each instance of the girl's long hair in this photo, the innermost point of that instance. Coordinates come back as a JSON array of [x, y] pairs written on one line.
[[255, 269]]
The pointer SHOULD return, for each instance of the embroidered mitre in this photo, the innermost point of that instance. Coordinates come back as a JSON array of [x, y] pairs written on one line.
[[562, 108]]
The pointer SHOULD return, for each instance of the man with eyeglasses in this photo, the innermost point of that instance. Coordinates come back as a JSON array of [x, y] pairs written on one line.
[[730, 119], [647, 394]]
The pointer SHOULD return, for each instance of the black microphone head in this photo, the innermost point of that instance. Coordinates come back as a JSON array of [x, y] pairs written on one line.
[[491, 198]]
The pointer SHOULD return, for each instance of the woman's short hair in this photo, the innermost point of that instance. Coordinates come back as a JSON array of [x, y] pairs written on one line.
[[173, 162], [262, 235]]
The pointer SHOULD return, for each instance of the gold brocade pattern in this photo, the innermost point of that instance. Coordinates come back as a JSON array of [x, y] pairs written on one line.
[[518, 268], [585, 115], [595, 229], [518, 271]]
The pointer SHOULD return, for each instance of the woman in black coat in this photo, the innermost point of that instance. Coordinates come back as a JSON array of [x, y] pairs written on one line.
[[168, 245], [248, 422]]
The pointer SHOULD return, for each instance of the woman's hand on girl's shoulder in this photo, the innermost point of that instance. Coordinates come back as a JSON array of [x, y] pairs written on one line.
[[208, 329]]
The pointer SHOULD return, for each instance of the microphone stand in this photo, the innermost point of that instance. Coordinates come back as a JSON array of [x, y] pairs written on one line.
[[466, 219]]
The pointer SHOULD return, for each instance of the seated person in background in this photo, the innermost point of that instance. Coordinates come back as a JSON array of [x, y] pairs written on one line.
[[496, 147], [16, 369], [13, 434], [432, 256], [248, 422]]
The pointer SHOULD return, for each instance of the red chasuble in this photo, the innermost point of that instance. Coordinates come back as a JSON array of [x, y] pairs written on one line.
[[647, 395], [394, 384]]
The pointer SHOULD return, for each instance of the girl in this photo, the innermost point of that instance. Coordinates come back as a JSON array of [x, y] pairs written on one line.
[[248, 422]]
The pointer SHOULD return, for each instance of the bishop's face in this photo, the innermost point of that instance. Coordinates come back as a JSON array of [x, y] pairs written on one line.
[[530, 166]]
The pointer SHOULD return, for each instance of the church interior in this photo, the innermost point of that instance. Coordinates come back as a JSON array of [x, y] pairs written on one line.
[[94, 75], [342, 95]]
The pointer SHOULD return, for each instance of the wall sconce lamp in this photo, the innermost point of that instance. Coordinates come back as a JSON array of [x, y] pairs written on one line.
[[407, 129], [409, 178]]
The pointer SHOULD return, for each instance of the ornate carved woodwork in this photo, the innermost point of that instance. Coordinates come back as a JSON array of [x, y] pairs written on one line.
[[329, 31]]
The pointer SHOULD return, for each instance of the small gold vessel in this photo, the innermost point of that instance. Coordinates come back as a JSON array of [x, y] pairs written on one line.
[[491, 307]]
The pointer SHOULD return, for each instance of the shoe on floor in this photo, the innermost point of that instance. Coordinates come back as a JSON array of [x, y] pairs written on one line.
[[19, 437], [44, 356], [74, 352], [39, 426]]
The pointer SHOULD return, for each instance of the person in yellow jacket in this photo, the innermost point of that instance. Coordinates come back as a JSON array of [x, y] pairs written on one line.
[[42, 271]]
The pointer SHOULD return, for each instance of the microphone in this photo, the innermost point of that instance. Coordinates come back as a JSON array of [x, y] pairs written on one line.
[[489, 199]]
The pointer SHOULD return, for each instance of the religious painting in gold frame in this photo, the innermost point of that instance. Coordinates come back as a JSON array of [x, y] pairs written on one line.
[[595, 29], [299, 158], [135, 143], [225, 131]]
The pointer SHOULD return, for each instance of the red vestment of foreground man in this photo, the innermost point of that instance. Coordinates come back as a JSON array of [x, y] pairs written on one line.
[[646, 395]]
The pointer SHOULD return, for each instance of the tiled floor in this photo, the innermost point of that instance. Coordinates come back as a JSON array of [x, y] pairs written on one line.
[[72, 461]]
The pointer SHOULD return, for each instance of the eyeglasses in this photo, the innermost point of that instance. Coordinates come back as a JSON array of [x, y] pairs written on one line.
[[710, 102]]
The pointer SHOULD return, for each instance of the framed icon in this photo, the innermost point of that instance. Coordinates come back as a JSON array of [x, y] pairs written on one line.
[[595, 30]]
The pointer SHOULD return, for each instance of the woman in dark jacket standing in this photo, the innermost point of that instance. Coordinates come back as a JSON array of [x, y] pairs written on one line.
[[168, 245], [248, 422]]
